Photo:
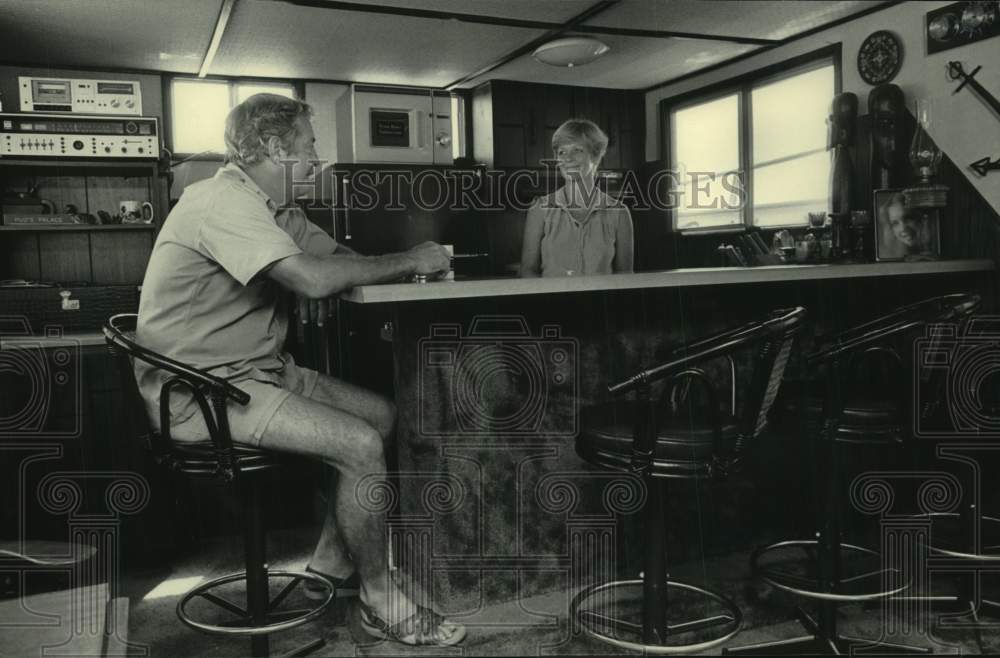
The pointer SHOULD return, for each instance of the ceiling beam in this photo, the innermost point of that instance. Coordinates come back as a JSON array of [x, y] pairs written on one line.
[[500, 21], [413, 12], [670, 34], [225, 11], [571, 24]]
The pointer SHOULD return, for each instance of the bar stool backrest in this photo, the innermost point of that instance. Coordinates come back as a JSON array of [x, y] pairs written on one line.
[[772, 339], [216, 457], [886, 340]]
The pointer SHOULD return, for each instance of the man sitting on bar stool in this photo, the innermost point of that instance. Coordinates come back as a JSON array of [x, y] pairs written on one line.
[[212, 298]]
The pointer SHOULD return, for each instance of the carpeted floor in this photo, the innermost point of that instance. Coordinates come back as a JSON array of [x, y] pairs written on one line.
[[536, 625]]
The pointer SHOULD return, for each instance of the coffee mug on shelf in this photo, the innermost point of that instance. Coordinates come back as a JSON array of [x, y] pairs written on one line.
[[136, 212]]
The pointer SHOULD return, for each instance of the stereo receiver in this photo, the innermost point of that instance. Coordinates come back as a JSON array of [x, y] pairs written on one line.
[[52, 135], [77, 96]]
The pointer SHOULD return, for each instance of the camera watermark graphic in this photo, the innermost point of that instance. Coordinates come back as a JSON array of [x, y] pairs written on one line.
[[906, 504], [560, 534], [90, 617], [480, 188], [957, 387], [41, 380], [497, 380]]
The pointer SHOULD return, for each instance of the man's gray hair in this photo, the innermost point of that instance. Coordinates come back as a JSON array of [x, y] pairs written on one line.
[[260, 117]]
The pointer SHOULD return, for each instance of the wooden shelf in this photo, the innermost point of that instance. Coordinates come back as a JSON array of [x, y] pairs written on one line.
[[95, 253], [79, 163], [80, 227]]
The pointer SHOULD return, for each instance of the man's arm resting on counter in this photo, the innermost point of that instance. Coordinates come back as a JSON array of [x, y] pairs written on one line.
[[321, 276], [317, 310]]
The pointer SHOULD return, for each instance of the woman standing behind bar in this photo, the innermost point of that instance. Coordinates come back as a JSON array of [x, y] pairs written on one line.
[[578, 229]]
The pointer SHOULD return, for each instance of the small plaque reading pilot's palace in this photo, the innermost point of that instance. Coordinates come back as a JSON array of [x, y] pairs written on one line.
[[19, 219]]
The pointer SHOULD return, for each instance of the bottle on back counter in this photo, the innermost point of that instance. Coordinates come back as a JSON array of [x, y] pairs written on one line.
[[841, 236], [863, 239]]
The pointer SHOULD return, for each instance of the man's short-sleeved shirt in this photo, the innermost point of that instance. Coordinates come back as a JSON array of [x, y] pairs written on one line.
[[205, 299]]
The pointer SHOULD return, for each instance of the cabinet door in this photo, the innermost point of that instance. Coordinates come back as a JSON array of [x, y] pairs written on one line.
[[508, 119], [630, 126], [611, 122], [602, 107], [508, 147], [548, 106], [524, 116]]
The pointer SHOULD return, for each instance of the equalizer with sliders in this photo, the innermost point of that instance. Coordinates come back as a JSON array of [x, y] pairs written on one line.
[[51, 135]]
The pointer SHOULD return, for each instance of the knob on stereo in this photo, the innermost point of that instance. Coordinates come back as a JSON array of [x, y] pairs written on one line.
[[131, 128], [78, 145]]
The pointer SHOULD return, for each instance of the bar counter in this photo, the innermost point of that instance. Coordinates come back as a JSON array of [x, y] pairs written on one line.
[[489, 377], [702, 276]]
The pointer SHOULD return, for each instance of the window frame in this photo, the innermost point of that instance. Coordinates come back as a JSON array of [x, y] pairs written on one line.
[[743, 86], [298, 89]]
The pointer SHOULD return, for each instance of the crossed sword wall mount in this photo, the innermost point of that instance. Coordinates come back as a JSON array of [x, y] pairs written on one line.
[[982, 166]]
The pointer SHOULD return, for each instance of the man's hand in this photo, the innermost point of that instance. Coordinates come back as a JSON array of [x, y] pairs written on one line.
[[314, 310], [430, 258]]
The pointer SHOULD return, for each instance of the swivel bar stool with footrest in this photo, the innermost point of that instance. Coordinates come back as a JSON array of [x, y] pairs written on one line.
[[844, 417], [635, 436], [243, 468]]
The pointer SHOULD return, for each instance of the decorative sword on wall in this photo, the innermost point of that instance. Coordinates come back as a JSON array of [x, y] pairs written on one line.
[[982, 166]]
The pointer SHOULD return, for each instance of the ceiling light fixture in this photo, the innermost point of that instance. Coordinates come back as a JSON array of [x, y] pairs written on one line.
[[570, 51]]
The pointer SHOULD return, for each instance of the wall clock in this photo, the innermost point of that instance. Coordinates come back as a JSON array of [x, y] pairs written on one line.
[[879, 58]]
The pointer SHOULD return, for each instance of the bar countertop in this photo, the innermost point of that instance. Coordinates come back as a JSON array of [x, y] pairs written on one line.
[[703, 276]]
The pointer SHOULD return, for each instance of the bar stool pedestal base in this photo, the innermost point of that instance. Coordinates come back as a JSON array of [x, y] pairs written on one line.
[[820, 643], [729, 616], [258, 623]]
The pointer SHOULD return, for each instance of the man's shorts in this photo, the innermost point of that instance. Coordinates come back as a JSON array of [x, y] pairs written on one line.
[[247, 423]]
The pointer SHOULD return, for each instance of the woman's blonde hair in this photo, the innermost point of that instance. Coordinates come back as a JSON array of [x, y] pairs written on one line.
[[581, 131], [251, 123]]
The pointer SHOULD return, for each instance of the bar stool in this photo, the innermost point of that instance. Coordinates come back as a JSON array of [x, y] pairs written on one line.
[[634, 436], [846, 419], [958, 422], [243, 468]]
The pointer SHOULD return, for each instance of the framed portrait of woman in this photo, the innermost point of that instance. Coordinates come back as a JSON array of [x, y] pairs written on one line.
[[903, 232]]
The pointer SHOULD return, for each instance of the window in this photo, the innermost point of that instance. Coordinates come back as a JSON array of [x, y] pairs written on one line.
[[199, 107], [754, 153], [706, 141]]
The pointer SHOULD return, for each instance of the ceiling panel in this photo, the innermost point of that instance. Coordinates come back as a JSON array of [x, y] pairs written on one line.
[[275, 39], [753, 18], [266, 38], [632, 63], [554, 11], [113, 34]]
